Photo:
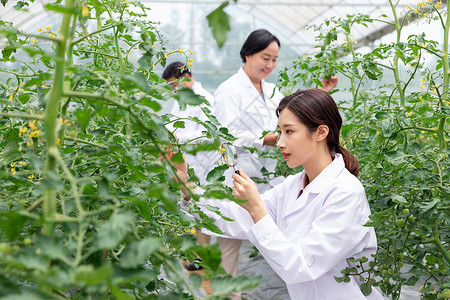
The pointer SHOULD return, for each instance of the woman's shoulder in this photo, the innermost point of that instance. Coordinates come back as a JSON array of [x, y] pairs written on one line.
[[349, 183]]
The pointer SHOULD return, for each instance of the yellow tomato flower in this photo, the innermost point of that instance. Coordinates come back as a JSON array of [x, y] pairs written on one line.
[[22, 163], [425, 15], [31, 124], [11, 96], [30, 176], [13, 171], [33, 40], [58, 142], [415, 10], [12, 165], [154, 47], [47, 27], [408, 7], [85, 11], [22, 130], [191, 52], [40, 29], [30, 143], [165, 54], [33, 134]]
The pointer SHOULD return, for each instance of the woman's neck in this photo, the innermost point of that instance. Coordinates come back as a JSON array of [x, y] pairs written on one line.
[[318, 164], [256, 82]]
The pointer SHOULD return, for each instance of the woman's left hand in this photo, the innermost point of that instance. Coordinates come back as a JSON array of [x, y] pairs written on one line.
[[245, 189]]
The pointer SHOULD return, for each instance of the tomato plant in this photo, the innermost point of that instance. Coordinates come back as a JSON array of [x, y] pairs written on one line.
[[89, 205]]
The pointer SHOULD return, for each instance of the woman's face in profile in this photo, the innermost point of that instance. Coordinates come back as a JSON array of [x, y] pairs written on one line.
[[259, 65]]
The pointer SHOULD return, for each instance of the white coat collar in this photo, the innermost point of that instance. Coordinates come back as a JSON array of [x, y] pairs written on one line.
[[196, 86], [321, 183], [327, 176], [245, 81]]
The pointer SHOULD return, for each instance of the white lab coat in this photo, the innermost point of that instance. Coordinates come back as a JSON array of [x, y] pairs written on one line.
[[241, 109], [203, 161], [307, 240]]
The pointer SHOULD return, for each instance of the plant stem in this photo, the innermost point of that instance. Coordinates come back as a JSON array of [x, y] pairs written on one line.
[[437, 242], [445, 86], [51, 112], [75, 139], [22, 116], [401, 90]]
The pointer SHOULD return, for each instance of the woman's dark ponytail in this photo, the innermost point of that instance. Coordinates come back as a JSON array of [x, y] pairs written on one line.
[[351, 162], [315, 107]]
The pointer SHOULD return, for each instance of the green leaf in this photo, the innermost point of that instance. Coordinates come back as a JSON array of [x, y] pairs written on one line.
[[113, 231], [138, 252], [216, 173], [187, 96], [398, 199], [60, 9], [219, 22], [25, 295], [20, 4], [217, 194], [179, 124], [88, 275], [4, 2], [118, 294], [196, 281], [145, 61], [11, 223], [7, 51], [427, 206], [83, 116], [151, 104], [228, 284], [366, 288], [50, 247]]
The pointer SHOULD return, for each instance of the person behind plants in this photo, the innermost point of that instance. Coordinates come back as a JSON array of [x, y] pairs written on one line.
[[245, 104], [192, 130], [309, 225]]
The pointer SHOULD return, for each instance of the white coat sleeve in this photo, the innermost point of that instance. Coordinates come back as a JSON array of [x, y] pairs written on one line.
[[228, 109], [192, 130], [335, 235], [242, 222], [237, 228]]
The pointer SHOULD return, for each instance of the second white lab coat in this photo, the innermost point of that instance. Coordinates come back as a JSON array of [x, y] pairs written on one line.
[[203, 161], [307, 239], [240, 108]]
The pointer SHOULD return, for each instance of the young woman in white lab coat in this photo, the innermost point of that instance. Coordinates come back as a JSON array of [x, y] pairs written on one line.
[[309, 225], [245, 104]]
